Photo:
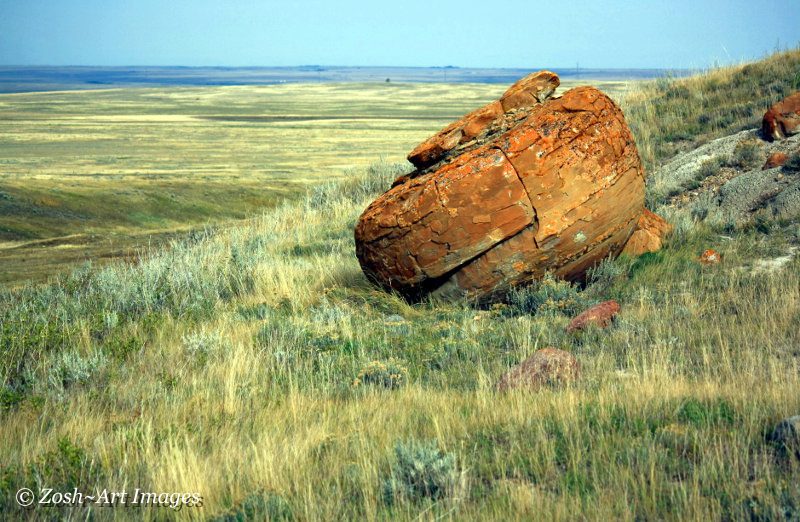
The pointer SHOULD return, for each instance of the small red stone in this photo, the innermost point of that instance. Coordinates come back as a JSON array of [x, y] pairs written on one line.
[[710, 257], [599, 315], [776, 159]]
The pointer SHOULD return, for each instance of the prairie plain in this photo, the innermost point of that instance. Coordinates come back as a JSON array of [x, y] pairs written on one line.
[[95, 175]]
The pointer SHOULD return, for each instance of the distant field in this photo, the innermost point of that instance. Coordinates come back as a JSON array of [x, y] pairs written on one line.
[[98, 174]]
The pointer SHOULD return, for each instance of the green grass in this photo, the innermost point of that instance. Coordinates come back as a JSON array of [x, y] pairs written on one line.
[[226, 366], [668, 116], [255, 366]]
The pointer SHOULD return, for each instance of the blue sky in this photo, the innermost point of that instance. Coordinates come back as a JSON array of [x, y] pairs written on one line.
[[602, 34]]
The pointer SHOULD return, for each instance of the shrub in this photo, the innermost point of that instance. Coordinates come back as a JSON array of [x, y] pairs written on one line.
[[260, 312], [547, 296], [71, 368], [761, 223], [388, 374], [602, 276], [64, 468], [421, 470], [746, 154], [25, 334], [187, 280], [9, 398], [709, 167], [706, 207], [259, 506], [201, 345], [706, 413]]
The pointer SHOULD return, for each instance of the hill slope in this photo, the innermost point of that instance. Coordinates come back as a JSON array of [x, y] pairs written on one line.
[[234, 365], [668, 116]]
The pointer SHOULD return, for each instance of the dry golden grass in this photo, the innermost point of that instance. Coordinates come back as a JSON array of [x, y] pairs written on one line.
[[668, 421]]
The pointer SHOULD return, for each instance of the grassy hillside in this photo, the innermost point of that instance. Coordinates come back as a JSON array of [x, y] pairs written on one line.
[[672, 115], [226, 366]]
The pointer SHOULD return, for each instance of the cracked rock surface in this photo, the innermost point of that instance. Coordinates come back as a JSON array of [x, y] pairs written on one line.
[[524, 185]]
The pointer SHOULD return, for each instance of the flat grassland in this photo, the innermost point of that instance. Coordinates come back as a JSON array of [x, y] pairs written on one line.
[[98, 174]]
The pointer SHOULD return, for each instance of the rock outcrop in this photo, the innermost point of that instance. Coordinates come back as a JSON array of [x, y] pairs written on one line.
[[710, 257], [786, 436], [546, 367], [782, 119], [651, 229], [734, 194], [527, 184]]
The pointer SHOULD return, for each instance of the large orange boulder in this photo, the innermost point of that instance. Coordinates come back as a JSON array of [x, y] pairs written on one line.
[[526, 92], [782, 119], [525, 185]]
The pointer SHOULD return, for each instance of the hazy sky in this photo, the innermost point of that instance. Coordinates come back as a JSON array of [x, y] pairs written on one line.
[[516, 33]]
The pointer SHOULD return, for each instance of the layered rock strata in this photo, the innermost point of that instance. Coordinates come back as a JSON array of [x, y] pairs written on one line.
[[527, 184]]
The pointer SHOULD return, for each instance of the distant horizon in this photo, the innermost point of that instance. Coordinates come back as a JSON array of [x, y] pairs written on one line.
[[37, 78]]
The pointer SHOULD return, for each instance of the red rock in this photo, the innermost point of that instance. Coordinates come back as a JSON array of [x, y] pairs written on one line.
[[546, 367], [710, 257], [776, 159], [651, 229], [554, 186], [431, 225], [437, 146], [534, 88], [599, 315], [531, 90], [782, 119]]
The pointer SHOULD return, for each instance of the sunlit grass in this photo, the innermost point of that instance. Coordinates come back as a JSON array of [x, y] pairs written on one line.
[[673, 115], [226, 367]]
